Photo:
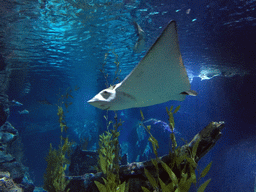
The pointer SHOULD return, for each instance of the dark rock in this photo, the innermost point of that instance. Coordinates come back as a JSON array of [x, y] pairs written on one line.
[[7, 133], [8, 163], [7, 127], [5, 158], [16, 169], [124, 160], [4, 80], [4, 113], [27, 184], [7, 184], [82, 162], [2, 63]]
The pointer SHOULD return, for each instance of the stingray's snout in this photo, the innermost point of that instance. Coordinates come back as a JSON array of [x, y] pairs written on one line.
[[97, 103], [92, 101]]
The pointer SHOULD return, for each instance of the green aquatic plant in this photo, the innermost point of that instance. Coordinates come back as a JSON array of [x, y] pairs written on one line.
[[54, 178], [109, 159], [108, 143], [154, 144], [181, 170], [154, 182], [116, 78], [172, 124], [57, 162]]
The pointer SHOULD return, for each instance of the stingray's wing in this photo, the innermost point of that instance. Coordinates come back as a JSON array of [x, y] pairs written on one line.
[[160, 76]]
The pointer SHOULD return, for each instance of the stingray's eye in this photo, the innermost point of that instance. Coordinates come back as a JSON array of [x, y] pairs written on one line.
[[105, 94]]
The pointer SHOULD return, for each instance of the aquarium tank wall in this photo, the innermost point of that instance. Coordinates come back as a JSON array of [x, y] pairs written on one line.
[[55, 55]]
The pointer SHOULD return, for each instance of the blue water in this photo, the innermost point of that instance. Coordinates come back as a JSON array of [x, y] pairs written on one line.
[[52, 45]]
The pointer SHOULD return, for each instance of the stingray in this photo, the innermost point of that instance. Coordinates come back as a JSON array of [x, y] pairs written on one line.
[[159, 77]]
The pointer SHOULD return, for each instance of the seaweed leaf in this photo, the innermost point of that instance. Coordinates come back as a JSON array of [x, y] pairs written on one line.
[[145, 189], [162, 184], [192, 164], [203, 186], [194, 149], [206, 170], [154, 162], [176, 110], [151, 178], [170, 187], [121, 188], [183, 179], [103, 164], [179, 159], [184, 185], [142, 116], [171, 121], [170, 173], [193, 177], [164, 187], [100, 186]]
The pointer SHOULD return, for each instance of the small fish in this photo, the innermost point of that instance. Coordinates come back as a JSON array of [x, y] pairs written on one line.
[[77, 88], [44, 102], [122, 113], [24, 112], [26, 89], [14, 103]]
